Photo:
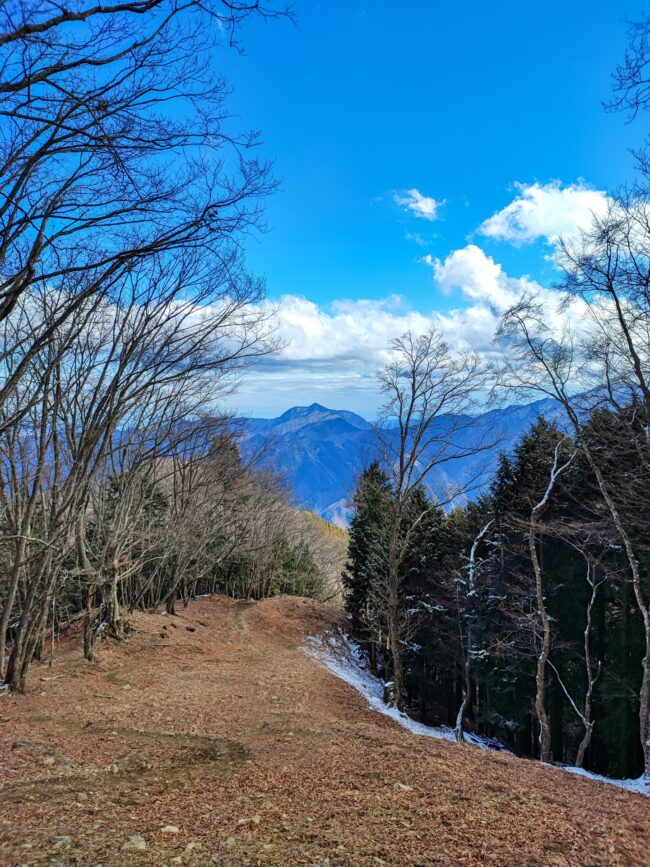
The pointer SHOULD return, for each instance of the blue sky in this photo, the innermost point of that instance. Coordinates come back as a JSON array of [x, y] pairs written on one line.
[[358, 104]]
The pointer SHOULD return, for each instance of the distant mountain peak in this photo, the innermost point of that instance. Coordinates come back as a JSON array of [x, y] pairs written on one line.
[[302, 411], [316, 413], [320, 451]]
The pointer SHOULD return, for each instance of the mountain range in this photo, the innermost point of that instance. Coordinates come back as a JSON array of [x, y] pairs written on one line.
[[319, 452]]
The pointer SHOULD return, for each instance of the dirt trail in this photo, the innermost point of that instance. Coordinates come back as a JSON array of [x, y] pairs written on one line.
[[215, 724]]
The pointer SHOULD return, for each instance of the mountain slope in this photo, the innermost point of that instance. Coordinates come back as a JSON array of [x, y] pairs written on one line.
[[220, 742], [319, 452]]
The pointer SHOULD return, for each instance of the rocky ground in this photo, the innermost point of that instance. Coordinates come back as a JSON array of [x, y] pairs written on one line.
[[211, 738]]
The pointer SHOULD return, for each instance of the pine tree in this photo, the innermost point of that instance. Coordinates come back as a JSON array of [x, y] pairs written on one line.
[[367, 550]]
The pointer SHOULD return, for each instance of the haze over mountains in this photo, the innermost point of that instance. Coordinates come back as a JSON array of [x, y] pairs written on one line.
[[319, 452]]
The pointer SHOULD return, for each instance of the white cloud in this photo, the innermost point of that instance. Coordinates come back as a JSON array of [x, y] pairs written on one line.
[[547, 211], [354, 335], [418, 204], [332, 353], [417, 238], [479, 278], [348, 330]]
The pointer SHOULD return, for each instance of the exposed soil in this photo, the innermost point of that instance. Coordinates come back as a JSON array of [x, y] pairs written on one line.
[[215, 724]]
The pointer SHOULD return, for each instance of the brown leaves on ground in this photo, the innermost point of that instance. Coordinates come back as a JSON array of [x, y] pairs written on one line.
[[227, 745]]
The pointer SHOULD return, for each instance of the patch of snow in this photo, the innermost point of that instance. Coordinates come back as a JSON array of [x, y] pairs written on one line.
[[345, 659], [640, 786]]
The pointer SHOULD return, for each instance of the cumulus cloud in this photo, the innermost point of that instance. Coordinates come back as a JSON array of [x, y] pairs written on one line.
[[349, 339], [479, 278], [418, 204], [331, 352], [325, 338], [347, 330], [545, 211]]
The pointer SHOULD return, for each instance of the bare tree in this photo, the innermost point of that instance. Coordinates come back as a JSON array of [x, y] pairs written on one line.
[[592, 671], [536, 513], [423, 425], [122, 376], [569, 366], [470, 594], [115, 148], [631, 84]]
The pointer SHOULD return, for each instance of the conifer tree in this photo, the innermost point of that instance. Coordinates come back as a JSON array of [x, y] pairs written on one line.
[[367, 549]]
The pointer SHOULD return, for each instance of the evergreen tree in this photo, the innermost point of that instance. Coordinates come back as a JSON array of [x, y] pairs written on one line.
[[367, 550], [491, 618]]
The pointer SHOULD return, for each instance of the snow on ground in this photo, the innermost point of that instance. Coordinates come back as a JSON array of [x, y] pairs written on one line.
[[639, 786], [345, 659]]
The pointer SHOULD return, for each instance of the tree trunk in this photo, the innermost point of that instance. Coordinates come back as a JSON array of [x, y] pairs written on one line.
[[542, 658], [5, 616], [644, 701], [15, 675], [113, 614], [471, 600], [393, 614], [89, 635], [591, 679], [90, 576], [584, 744], [467, 691], [644, 691]]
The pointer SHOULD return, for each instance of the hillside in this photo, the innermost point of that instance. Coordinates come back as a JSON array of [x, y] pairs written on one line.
[[212, 738], [319, 452]]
